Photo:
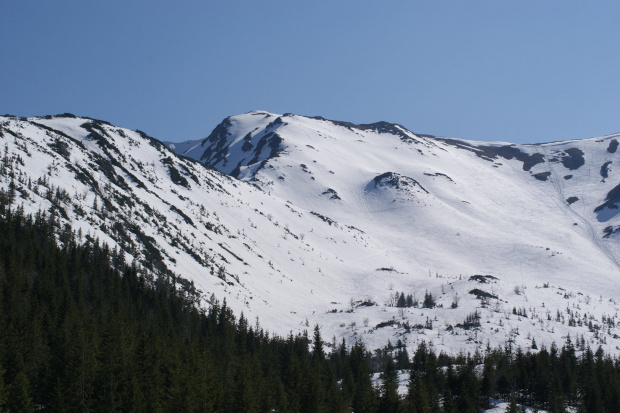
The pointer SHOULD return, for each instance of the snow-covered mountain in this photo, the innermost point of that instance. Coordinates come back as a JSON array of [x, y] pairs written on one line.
[[301, 221]]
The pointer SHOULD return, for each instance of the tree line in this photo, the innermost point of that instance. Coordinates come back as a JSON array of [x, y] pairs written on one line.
[[81, 330]]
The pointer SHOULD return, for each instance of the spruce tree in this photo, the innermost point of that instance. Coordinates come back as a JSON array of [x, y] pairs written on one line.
[[3, 392], [364, 399], [429, 301], [317, 344], [417, 397], [389, 402], [20, 399], [469, 397], [449, 405], [512, 406]]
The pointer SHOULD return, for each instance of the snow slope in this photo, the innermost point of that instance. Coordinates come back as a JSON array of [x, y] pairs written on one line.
[[321, 222], [529, 215]]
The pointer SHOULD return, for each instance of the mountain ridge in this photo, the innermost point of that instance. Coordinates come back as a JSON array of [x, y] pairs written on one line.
[[325, 223]]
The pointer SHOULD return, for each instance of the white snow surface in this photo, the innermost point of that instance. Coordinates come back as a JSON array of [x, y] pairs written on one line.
[[323, 217]]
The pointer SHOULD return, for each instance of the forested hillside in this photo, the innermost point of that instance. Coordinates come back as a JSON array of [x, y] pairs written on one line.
[[80, 334]]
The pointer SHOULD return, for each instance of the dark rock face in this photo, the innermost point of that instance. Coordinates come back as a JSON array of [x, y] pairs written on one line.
[[440, 174], [380, 127], [215, 154], [397, 181], [332, 194], [218, 146], [272, 140], [605, 169], [491, 153], [247, 143], [613, 146], [175, 175], [571, 200]]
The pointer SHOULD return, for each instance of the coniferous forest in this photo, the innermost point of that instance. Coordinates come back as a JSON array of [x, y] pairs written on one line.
[[81, 330]]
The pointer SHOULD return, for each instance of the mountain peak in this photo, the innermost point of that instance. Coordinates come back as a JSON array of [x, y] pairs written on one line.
[[302, 221]]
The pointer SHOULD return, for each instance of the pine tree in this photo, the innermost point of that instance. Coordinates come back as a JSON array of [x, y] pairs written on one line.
[[512, 406], [3, 392], [389, 402], [20, 399], [364, 397], [449, 405], [317, 344], [556, 401], [591, 400], [469, 397], [402, 357], [11, 193], [429, 301], [410, 302], [417, 397]]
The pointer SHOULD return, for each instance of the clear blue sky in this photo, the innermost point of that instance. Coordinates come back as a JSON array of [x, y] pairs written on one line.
[[518, 71]]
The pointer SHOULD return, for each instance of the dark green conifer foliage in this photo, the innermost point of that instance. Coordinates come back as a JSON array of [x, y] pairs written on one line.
[[364, 399], [469, 399], [83, 336], [568, 368], [402, 356], [426, 381], [449, 406], [77, 334], [591, 399], [3, 389], [389, 400], [429, 300], [317, 344], [19, 399], [418, 398], [512, 407]]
